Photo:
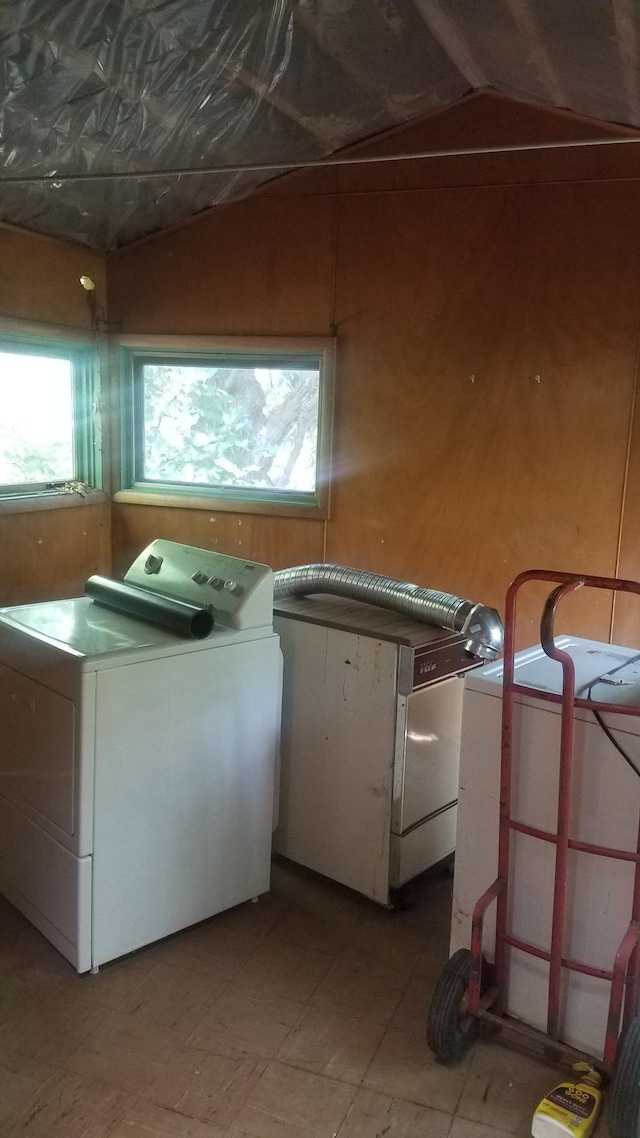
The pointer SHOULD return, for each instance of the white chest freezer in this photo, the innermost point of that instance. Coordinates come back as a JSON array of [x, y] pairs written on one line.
[[605, 808]]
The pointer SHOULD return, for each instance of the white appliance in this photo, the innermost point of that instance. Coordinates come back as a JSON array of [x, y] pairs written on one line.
[[370, 739], [137, 767], [606, 806]]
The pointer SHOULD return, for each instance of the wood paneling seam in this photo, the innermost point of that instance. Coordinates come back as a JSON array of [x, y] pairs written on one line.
[[625, 481], [334, 274], [524, 183], [332, 320]]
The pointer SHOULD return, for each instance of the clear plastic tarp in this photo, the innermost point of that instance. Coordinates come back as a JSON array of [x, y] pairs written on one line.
[[128, 85], [93, 86]]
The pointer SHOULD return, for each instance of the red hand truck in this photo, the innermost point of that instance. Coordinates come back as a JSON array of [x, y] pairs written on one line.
[[471, 995]]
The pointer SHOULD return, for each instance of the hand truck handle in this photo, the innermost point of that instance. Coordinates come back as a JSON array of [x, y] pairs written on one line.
[[567, 583]]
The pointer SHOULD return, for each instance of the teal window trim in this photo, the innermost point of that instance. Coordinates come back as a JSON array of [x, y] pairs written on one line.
[[131, 362], [86, 426]]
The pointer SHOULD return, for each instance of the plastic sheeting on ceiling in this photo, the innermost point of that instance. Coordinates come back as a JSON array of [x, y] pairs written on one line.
[[130, 85]]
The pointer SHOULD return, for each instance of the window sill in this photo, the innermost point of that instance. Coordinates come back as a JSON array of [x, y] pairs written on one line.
[[226, 505], [38, 503]]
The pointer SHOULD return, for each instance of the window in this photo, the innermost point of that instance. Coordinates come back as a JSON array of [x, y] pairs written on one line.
[[229, 427], [46, 424]]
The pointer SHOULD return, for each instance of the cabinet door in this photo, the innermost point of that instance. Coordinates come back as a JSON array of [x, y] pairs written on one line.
[[37, 753], [431, 751], [338, 735]]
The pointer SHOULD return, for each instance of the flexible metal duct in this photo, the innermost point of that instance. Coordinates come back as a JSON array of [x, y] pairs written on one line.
[[481, 625]]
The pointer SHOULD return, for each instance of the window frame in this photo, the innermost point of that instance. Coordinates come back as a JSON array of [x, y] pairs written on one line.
[[86, 432], [131, 353]]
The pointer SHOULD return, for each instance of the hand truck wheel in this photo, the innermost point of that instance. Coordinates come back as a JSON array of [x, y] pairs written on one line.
[[624, 1097], [450, 1030]]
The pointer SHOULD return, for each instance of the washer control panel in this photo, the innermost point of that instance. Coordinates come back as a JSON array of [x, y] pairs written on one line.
[[239, 593]]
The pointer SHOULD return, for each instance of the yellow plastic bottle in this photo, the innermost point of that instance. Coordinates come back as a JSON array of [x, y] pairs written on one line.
[[571, 1108]]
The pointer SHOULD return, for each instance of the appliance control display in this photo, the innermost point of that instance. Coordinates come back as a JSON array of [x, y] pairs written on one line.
[[239, 592], [436, 663]]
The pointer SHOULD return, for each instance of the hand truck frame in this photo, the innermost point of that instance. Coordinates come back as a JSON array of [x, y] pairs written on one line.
[[463, 1000]]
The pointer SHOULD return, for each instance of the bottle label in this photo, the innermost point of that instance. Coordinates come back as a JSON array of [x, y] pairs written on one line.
[[573, 1099]]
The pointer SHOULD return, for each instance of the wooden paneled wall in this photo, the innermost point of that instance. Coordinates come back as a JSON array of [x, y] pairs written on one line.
[[40, 279], [487, 314], [49, 553], [278, 542]]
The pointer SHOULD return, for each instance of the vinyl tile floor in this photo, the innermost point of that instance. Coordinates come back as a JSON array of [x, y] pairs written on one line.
[[301, 1016]]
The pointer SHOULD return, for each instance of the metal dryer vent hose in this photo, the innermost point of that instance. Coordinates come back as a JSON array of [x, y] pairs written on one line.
[[481, 625]]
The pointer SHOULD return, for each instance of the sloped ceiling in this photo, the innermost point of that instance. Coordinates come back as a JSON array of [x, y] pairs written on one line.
[[123, 86]]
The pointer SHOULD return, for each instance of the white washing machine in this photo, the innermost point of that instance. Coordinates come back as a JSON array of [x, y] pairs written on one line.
[[605, 811], [136, 766]]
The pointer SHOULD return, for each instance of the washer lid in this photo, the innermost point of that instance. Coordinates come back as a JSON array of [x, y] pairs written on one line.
[[592, 659], [84, 630]]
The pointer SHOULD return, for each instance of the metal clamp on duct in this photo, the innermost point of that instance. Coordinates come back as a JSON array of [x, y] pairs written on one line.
[[176, 616], [481, 625]]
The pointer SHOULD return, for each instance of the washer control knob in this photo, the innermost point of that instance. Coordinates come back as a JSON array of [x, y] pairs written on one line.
[[216, 582], [199, 578], [153, 563], [233, 587]]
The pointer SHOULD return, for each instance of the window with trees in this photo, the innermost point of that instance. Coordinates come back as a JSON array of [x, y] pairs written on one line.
[[241, 426], [47, 438]]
